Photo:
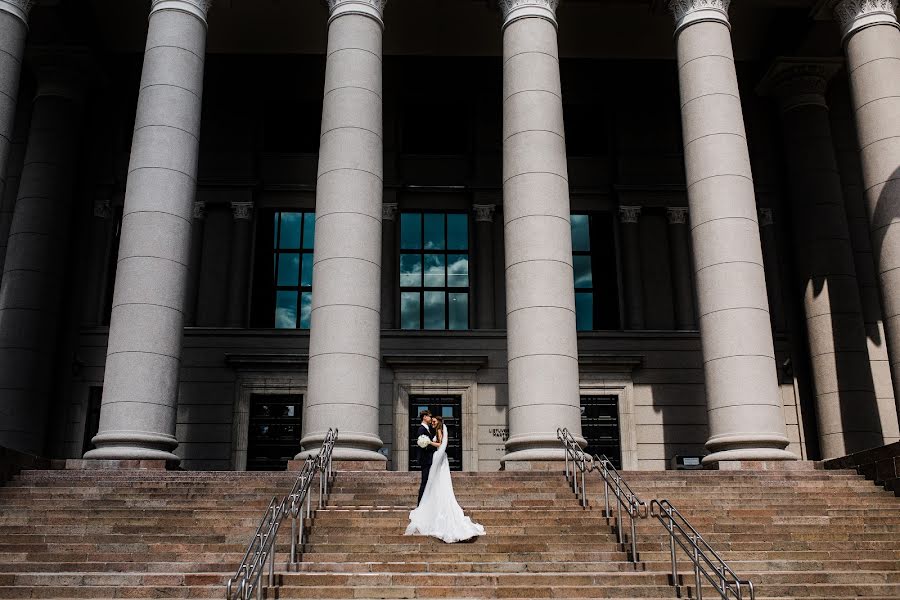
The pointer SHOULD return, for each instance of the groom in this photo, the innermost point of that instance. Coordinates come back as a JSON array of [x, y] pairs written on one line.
[[426, 454]]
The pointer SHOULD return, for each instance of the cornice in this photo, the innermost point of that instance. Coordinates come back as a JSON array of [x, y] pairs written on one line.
[[198, 8], [369, 8], [856, 15], [17, 8], [513, 10], [688, 12]]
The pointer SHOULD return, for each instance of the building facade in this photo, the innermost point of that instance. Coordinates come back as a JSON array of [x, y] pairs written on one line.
[[229, 226]]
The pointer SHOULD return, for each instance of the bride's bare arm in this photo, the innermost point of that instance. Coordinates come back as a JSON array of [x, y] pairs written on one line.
[[437, 444]]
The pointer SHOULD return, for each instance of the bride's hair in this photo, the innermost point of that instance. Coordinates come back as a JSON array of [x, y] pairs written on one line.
[[439, 422]]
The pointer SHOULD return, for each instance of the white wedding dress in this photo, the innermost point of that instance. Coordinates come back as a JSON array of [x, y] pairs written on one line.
[[439, 514]]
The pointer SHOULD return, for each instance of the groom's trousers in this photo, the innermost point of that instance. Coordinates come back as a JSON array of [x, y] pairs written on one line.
[[425, 471]]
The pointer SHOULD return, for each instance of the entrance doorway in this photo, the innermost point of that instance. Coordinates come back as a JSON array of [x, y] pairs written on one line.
[[274, 435], [600, 427], [450, 409]]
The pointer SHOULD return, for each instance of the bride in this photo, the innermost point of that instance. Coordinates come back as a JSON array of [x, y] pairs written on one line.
[[439, 514]]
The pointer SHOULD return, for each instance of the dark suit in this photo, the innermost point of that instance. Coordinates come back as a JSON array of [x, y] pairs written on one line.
[[426, 455]]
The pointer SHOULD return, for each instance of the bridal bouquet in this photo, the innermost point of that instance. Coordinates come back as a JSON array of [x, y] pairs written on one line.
[[423, 441]]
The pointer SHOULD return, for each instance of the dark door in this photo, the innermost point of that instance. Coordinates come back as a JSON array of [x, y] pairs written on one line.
[[92, 417], [448, 407], [274, 436], [600, 427]]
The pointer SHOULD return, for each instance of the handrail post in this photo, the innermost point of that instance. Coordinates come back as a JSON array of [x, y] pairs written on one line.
[[633, 533], [584, 501], [606, 491], [672, 547], [697, 568], [619, 517]]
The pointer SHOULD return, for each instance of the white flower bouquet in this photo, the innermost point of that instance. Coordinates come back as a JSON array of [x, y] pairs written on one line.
[[423, 441]]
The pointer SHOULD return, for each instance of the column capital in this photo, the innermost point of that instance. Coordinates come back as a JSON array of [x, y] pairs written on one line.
[[370, 8], [484, 213], [513, 10], [629, 214], [389, 211], [688, 12], [17, 8], [766, 217], [677, 215], [242, 211], [198, 8], [102, 208], [799, 82], [199, 210], [855, 15]]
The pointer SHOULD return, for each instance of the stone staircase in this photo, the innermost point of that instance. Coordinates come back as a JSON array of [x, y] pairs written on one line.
[[137, 534]]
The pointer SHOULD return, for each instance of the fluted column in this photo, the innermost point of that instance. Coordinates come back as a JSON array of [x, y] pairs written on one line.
[[13, 31], [388, 264], [540, 290], [238, 285], [198, 224], [846, 408], [633, 281], [344, 345], [871, 38], [680, 259], [140, 390], [35, 266], [745, 413], [484, 265]]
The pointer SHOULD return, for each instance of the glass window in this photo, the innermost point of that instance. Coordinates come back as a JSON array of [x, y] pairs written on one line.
[[596, 272], [293, 258], [434, 270]]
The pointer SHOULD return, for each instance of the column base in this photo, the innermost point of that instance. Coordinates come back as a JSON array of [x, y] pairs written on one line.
[[533, 465], [537, 447], [756, 455], [344, 465], [769, 465], [344, 454], [115, 465], [131, 446]]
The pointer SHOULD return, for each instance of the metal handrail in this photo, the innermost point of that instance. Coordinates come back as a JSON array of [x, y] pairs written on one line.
[[626, 498], [707, 562], [261, 549]]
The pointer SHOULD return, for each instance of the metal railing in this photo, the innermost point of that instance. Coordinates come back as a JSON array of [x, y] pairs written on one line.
[[625, 497], [707, 563], [261, 550]]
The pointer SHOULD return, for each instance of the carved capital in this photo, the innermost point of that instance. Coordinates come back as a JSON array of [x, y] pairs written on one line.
[[484, 213], [629, 214], [677, 215], [102, 209], [17, 8], [198, 8], [765, 217], [199, 210], [688, 12], [513, 10], [799, 82], [242, 211], [389, 211], [368, 8], [856, 15]]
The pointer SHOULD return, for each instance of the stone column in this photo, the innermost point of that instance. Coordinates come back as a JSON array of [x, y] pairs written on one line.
[[846, 409], [542, 348], [35, 266], [745, 413], [871, 38], [344, 344], [389, 264], [140, 390], [847, 152], [239, 284], [769, 240], [13, 31], [631, 266], [680, 259], [198, 224], [484, 265]]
